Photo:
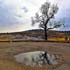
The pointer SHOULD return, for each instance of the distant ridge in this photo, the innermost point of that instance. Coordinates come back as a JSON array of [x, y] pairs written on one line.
[[34, 30], [39, 32], [36, 34]]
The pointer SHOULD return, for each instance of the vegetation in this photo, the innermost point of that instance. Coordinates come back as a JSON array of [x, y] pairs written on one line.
[[46, 16]]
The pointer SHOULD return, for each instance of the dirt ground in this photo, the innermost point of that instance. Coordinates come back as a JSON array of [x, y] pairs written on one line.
[[9, 49]]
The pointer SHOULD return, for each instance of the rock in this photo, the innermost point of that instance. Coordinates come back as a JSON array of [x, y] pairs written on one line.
[[36, 58]]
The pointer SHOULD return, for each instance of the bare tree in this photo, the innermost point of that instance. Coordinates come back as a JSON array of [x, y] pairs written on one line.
[[45, 17]]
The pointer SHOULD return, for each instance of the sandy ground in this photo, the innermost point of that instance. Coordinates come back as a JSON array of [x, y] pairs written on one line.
[[9, 49]]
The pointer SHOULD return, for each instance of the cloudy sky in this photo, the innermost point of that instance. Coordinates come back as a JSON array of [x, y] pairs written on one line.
[[15, 15]]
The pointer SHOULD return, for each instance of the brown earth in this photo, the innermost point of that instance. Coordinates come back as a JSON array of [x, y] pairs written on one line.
[[9, 49]]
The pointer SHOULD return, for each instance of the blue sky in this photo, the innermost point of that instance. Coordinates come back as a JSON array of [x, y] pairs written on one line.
[[15, 15]]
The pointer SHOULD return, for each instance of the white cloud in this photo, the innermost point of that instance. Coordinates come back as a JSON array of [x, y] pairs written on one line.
[[15, 17]]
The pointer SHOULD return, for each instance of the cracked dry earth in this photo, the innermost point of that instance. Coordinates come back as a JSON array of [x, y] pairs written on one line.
[[9, 49]]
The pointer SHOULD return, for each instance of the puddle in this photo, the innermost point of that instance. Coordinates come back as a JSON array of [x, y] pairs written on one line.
[[36, 58]]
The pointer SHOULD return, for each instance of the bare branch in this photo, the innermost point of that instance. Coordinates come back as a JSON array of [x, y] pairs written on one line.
[[41, 25], [49, 28], [33, 21], [58, 24]]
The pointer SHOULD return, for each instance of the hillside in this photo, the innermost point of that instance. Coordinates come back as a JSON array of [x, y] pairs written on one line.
[[37, 34]]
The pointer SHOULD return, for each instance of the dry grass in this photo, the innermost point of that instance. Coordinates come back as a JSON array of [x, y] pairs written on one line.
[[56, 39], [9, 49]]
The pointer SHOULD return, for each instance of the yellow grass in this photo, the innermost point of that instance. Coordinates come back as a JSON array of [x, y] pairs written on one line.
[[56, 39]]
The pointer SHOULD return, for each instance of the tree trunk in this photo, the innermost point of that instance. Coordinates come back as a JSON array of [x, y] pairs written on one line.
[[45, 33], [45, 29]]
